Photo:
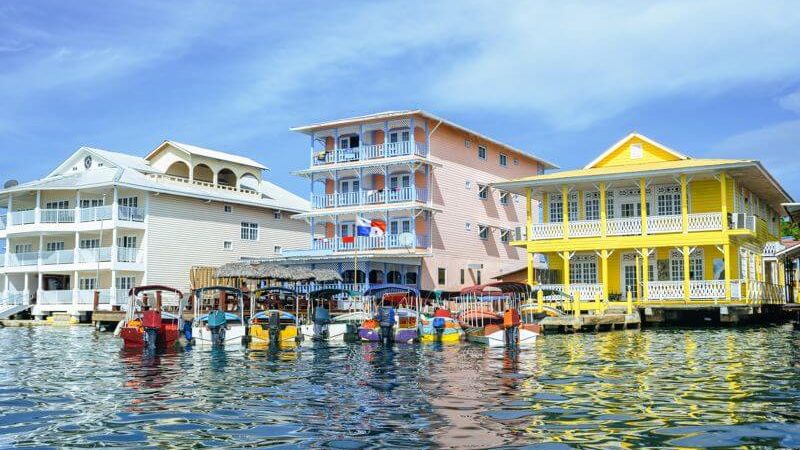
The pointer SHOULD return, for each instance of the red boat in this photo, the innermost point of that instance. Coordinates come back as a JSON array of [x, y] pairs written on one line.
[[151, 326]]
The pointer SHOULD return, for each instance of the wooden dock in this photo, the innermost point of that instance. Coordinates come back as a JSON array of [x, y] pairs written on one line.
[[606, 321]]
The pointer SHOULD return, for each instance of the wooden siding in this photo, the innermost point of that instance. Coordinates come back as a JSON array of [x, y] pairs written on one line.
[[621, 155]]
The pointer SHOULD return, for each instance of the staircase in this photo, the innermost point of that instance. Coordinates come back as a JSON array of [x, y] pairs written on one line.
[[13, 304]]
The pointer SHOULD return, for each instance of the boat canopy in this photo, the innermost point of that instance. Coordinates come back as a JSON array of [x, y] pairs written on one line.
[[273, 290], [200, 291], [497, 288], [264, 315], [380, 289], [228, 317], [330, 292], [154, 288]]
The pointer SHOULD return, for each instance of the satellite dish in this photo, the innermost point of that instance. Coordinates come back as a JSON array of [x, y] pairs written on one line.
[[406, 240], [10, 184]]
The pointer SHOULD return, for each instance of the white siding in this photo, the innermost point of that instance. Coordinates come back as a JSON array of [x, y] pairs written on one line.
[[183, 233]]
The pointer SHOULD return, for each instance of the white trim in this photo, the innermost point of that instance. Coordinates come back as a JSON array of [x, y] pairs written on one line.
[[636, 135]]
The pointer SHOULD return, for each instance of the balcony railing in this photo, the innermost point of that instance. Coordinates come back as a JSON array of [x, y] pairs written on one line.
[[66, 216], [369, 197], [25, 217], [59, 297], [390, 241], [587, 291], [368, 152], [96, 213], [85, 256], [23, 259], [3, 221], [58, 257], [57, 216], [628, 226], [129, 255], [94, 255], [131, 214], [86, 296]]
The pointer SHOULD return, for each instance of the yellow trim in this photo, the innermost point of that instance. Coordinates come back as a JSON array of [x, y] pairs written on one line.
[[545, 208], [529, 209], [645, 272], [565, 257], [726, 257], [530, 269], [604, 264], [603, 213], [723, 200], [565, 211], [643, 201], [684, 205], [686, 286]]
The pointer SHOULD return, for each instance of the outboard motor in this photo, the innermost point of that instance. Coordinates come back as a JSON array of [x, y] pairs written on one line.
[[386, 321], [187, 331], [216, 324], [322, 318], [151, 322], [438, 327], [274, 327], [351, 332], [511, 322]]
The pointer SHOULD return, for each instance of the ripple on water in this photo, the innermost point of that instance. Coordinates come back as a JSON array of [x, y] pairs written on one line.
[[661, 388]]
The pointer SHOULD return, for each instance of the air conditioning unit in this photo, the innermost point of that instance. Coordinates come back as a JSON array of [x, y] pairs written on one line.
[[738, 220]]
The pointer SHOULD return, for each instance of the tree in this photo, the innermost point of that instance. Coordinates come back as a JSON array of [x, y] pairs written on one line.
[[789, 228]]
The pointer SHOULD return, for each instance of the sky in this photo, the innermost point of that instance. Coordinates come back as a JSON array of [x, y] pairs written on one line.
[[562, 80]]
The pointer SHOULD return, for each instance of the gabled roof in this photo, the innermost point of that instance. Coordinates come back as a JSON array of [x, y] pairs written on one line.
[[116, 159], [387, 115], [208, 153], [644, 138]]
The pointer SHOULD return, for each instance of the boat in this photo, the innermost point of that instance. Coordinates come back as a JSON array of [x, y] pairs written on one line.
[[394, 313], [152, 323], [442, 327], [272, 323], [333, 319], [483, 324], [218, 320]]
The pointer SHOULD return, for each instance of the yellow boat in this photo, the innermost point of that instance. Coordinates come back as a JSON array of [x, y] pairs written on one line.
[[260, 328], [451, 333]]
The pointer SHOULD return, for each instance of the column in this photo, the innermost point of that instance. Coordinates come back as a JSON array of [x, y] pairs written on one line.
[[37, 211], [335, 145], [41, 249], [565, 211], [5, 289], [604, 265], [77, 206], [360, 192], [723, 192], [726, 257], [645, 273], [360, 140], [427, 142], [529, 217], [545, 209], [191, 170], [7, 254], [313, 231], [75, 287], [643, 201], [335, 187], [412, 143], [386, 237], [77, 248], [385, 141], [26, 288], [428, 190], [113, 293], [565, 260], [684, 205], [685, 273], [530, 268], [40, 285], [336, 233], [114, 246], [115, 201], [386, 185], [603, 210]]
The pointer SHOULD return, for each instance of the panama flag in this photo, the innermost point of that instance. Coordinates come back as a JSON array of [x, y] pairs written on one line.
[[366, 227]]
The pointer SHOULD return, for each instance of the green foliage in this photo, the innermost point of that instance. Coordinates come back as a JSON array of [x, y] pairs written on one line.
[[790, 229]]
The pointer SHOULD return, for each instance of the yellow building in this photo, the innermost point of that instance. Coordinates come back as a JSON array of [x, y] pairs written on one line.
[[703, 237]]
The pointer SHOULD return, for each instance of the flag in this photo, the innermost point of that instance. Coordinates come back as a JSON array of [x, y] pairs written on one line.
[[363, 226], [377, 228], [348, 239]]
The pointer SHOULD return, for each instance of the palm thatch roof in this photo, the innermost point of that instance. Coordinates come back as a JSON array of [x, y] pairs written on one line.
[[266, 271]]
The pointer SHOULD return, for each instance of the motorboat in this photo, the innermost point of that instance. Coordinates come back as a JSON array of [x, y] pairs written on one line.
[[218, 319], [153, 321]]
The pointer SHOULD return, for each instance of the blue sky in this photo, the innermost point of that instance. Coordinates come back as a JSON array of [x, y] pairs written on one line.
[[562, 80]]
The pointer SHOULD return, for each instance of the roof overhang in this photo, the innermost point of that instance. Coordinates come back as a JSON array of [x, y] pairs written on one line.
[[179, 146], [616, 145], [366, 209], [793, 210], [308, 129], [770, 190]]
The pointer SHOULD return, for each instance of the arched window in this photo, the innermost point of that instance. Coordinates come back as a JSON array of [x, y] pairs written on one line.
[[411, 278], [348, 276], [248, 181], [226, 177], [376, 276], [178, 169], [394, 277], [202, 172]]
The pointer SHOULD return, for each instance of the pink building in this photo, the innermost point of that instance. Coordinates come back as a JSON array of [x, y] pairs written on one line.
[[426, 179]]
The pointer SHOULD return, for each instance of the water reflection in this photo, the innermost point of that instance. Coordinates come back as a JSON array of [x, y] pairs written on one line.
[[662, 388]]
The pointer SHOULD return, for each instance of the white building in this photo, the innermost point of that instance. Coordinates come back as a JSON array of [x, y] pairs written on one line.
[[105, 221]]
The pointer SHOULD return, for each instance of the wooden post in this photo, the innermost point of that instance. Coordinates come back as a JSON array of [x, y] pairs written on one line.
[[726, 257], [604, 265], [96, 301], [723, 192], [643, 201], [540, 300], [684, 205], [645, 273], [576, 305], [685, 273], [158, 301], [223, 297], [597, 304], [630, 302], [565, 211], [530, 266], [565, 260], [603, 209]]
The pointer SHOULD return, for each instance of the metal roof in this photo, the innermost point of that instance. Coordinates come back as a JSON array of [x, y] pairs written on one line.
[[208, 153]]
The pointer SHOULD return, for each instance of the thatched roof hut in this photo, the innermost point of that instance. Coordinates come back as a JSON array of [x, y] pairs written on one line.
[[267, 271]]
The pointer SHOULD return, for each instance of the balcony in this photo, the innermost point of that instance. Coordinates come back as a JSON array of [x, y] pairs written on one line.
[[327, 246], [84, 256], [632, 226], [369, 152], [369, 197], [71, 216]]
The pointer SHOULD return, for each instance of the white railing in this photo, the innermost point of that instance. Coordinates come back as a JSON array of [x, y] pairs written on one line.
[[58, 257], [665, 290], [120, 297], [347, 198], [3, 220], [182, 180], [61, 297], [369, 197], [584, 228], [58, 216], [357, 287], [130, 214], [95, 213], [625, 226], [86, 296], [367, 152], [93, 255], [22, 217], [392, 241], [548, 230], [129, 255], [23, 259], [323, 200], [664, 224], [705, 221], [587, 291], [706, 289], [15, 298]]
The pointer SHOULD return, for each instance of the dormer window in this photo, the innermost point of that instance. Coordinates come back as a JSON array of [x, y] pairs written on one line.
[[636, 151]]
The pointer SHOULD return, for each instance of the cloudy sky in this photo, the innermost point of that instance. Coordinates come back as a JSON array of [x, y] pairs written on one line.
[[562, 80]]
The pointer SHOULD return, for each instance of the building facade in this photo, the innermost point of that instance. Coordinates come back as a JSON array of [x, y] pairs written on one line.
[[428, 181], [105, 221], [667, 228]]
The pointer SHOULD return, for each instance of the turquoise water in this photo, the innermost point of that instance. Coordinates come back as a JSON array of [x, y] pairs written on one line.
[[73, 387]]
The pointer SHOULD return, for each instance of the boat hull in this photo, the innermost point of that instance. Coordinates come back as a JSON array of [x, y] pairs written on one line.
[[496, 337], [233, 336], [259, 334], [336, 333], [133, 336]]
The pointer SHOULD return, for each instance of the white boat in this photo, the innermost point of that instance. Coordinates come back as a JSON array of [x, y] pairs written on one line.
[[217, 327], [337, 328]]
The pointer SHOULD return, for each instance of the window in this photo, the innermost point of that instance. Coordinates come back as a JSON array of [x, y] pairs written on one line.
[[467, 226], [23, 248], [249, 231], [411, 278], [91, 203], [89, 243], [556, 209], [503, 160], [629, 209], [516, 162], [481, 152], [463, 276], [131, 202], [125, 283], [610, 205], [227, 208], [88, 284], [398, 136], [467, 143], [468, 184], [668, 204], [126, 241], [277, 249], [583, 271], [276, 215], [227, 245], [483, 232], [483, 191], [348, 142], [591, 205], [504, 196], [573, 206], [636, 151], [59, 204], [55, 246], [505, 236], [695, 267], [442, 276], [478, 277]]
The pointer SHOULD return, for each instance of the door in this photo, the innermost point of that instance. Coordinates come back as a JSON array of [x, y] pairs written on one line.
[[398, 226], [349, 192], [398, 185]]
